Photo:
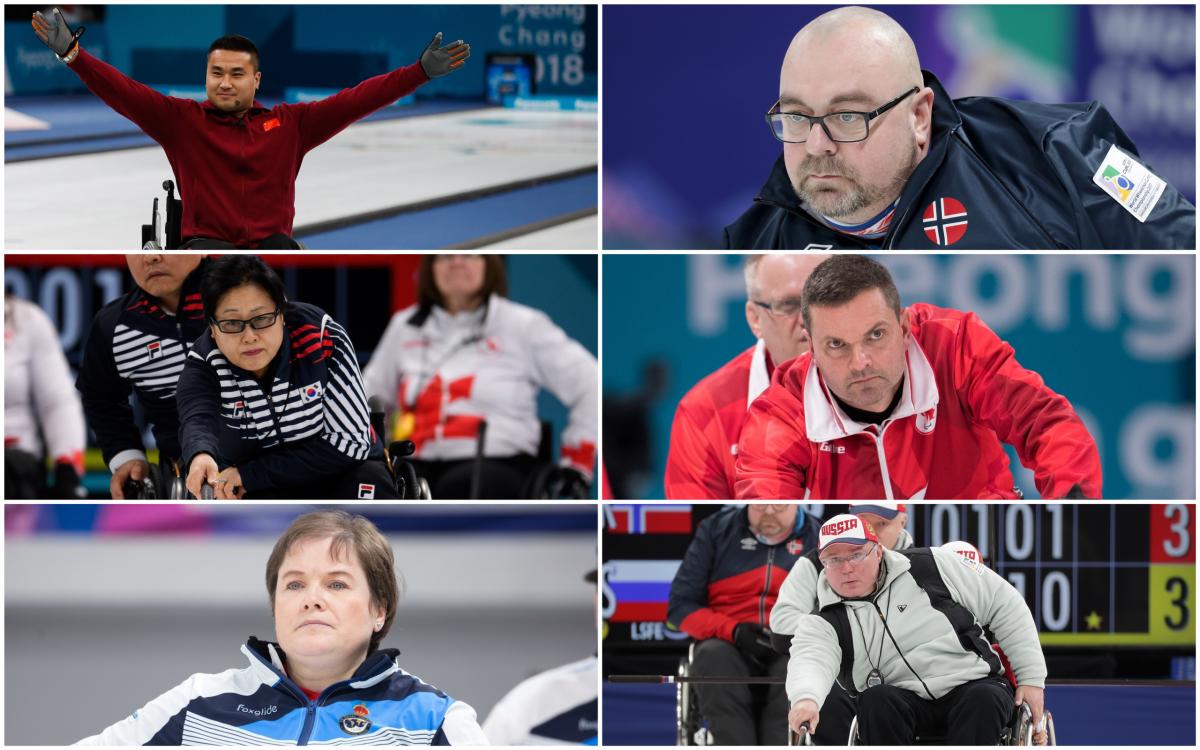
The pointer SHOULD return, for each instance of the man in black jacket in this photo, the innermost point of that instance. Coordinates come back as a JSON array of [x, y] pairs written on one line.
[[722, 596], [137, 345], [877, 155]]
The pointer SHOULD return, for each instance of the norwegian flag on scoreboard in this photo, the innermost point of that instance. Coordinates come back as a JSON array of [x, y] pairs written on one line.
[[648, 519]]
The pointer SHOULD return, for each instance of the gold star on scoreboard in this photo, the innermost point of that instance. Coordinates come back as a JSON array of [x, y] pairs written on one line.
[[1094, 620]]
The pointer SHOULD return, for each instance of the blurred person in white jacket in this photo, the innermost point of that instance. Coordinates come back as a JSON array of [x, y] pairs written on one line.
[[42, 414], [465, 355]]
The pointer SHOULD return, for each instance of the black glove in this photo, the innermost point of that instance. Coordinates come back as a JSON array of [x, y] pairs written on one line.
[[752, 640], [438, 61], [66, 483], [565, 483], [56, 34]]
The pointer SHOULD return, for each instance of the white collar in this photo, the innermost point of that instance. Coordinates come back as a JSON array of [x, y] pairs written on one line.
[[760, 378], [825, 420]]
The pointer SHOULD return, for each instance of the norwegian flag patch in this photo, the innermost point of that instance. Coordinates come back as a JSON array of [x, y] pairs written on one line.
[[945, 221]]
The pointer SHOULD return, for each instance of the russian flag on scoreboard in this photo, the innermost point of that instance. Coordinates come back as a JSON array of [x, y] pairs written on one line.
[[649, 519], [639, 588]]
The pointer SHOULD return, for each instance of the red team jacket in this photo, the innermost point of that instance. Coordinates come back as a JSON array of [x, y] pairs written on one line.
[[704, 435], [237, 176], [964, 393]]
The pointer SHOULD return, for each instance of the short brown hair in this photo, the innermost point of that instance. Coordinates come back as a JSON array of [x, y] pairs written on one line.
[[495, 280], [842, 278], [347, 531]]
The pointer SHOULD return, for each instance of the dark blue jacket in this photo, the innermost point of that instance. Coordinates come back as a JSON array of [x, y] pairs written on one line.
[[380, 704], [314, 426], [728, 577], [1021, 170], [136, 347]]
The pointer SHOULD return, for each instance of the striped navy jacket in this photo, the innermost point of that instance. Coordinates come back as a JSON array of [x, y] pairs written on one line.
[[312, 425], [136, 347], [380, 704]]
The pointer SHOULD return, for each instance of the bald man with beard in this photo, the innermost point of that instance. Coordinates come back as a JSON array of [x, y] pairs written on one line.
[[708, 420], [877, 155]]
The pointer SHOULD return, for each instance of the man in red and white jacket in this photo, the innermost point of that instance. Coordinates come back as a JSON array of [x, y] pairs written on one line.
[[909, 403], [236, 161], [709, 418]]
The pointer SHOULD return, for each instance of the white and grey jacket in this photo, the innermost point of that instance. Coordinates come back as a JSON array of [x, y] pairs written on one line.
[[931, 660]]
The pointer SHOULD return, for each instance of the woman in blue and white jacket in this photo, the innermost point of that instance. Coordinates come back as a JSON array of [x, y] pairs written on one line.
[[271, 400], [332, 584]]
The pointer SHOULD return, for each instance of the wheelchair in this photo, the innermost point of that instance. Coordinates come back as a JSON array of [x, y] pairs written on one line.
[[690, 727], [1017, 733], [160, 484], [170, 235], [169, 238], [409, 486]]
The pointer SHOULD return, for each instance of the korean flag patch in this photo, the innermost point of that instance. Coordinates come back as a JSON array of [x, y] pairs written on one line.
[[310, 393]]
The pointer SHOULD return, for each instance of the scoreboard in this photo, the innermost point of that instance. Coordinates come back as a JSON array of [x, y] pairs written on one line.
[[1093, 575]]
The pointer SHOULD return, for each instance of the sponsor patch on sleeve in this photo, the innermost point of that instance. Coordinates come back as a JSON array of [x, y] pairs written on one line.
[[1129, 183]]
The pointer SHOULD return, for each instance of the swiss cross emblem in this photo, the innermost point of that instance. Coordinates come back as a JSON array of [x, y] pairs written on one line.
[[945, 221], [795, 547]]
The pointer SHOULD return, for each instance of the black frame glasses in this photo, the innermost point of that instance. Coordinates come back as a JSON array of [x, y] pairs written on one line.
[[258, 322], [775, 119]]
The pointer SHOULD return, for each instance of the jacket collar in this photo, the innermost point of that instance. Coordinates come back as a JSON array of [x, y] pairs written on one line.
[[760, 372], [824, 420], [946, 121], [255, 107], [268, 661]]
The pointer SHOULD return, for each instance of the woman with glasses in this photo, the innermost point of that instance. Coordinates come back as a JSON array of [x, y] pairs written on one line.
[[271, 402]]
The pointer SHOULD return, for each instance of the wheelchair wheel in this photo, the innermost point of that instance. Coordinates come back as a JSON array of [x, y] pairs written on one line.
[[690, 728]]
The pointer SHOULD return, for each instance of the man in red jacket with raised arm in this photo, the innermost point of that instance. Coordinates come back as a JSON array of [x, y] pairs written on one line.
[[905, 403], [235, 161]]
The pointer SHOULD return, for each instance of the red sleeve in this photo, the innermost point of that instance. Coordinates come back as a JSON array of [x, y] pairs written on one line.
[[320, 121], [774, 452], [695, 471], [137, 102], [1049, 437]]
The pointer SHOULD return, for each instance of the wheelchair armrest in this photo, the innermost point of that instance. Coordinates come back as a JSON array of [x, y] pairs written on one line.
[[401, 448]]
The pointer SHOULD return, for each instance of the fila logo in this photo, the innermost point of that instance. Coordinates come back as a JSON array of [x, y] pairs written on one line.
[[154, 349], [366, 492], [945, 221], [831, 448]]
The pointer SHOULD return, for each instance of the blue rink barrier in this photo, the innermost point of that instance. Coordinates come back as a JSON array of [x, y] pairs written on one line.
[[1126, 715]]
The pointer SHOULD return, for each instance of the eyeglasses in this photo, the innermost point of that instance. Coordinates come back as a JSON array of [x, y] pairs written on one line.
[[855, 559], [783, 308], [840, 127], [258, 322]]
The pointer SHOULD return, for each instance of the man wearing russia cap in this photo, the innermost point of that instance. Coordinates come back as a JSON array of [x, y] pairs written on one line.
[[798, 596], [912, 625]]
